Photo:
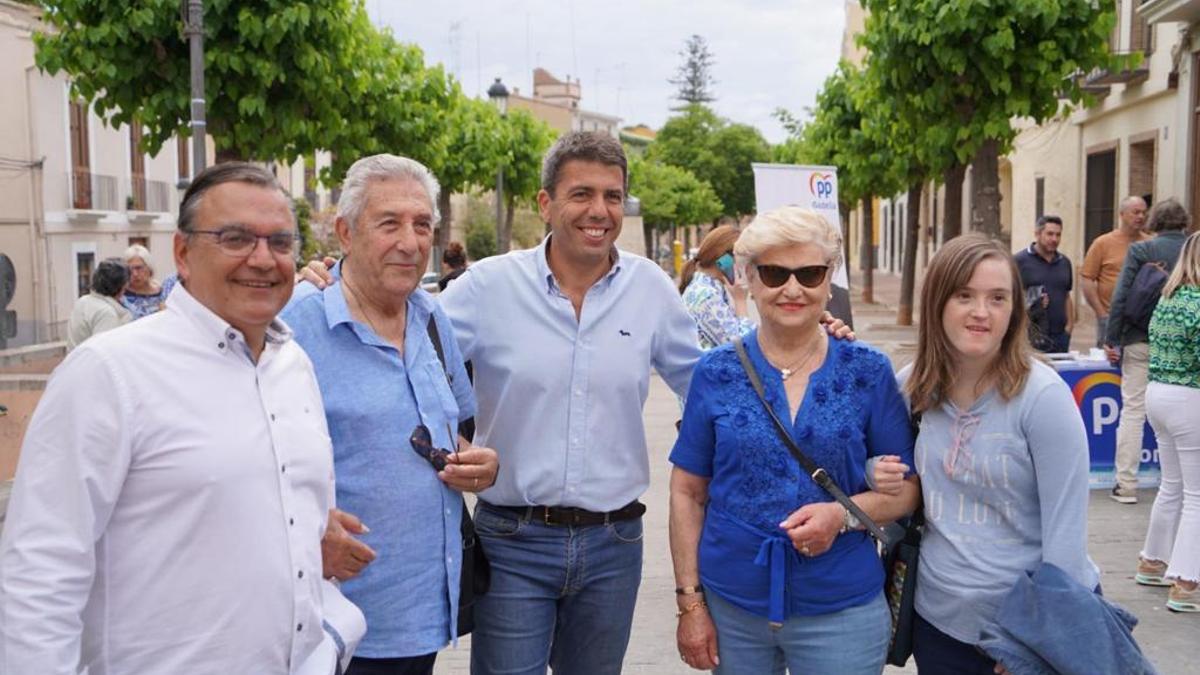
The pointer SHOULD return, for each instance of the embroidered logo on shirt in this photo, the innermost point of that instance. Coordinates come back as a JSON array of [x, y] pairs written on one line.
[[624, 333]]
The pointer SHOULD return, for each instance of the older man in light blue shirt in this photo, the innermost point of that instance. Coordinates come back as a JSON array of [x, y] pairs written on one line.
[[563, 338], [369, 340]]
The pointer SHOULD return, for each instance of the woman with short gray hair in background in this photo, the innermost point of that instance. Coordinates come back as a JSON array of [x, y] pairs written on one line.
[[144, 296]]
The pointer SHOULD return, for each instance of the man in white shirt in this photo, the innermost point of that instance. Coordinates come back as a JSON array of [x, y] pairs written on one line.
[[176, 478]]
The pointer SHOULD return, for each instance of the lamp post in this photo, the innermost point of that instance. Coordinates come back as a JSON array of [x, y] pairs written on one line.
[[498, 93], [194, 29]]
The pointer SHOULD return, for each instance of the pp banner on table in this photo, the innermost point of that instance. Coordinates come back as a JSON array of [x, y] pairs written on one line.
[[813, 187], [1097, 391]]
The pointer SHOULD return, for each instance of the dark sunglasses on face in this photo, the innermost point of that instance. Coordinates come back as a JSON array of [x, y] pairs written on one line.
[[422, 444], [809, 276]]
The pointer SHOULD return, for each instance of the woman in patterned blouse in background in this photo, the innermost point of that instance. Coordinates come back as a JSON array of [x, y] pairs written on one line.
[[712, 298], [771, 572], [1171, 554]]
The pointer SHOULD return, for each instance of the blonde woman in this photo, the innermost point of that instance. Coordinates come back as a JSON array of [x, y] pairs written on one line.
[[772, 574], [1171, 554]]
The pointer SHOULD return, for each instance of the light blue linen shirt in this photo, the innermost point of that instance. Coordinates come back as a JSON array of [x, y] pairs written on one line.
[[560, 399], [374, 398]]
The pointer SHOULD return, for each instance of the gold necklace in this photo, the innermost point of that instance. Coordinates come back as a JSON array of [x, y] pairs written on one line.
[[794, 367]]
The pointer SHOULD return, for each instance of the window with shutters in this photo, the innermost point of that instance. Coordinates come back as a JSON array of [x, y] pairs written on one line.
[[81, 176]]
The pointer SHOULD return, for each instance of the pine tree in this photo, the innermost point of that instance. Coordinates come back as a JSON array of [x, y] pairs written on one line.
[[693, 79]]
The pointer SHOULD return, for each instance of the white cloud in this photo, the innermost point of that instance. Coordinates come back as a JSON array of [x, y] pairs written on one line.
[[769, 53]]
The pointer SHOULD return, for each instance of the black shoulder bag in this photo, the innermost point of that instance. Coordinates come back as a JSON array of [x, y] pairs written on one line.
[[900, 552], [476, 576], [819, 475], [900, 560]]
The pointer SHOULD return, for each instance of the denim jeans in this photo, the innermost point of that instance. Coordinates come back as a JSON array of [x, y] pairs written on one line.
[[560, 596], [850, 642], [939, 654]]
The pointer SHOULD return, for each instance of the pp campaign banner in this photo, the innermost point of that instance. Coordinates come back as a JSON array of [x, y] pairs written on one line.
[[813, 187], [1096, 387]]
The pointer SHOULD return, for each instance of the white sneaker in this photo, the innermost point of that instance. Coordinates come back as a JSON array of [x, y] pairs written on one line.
[[1123, 495]]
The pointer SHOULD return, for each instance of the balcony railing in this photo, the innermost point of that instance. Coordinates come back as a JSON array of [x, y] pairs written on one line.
[[1124, 72], [93, 191]]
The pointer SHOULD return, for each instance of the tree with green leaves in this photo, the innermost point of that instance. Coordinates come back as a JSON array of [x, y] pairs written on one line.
[[282, 78], [693, 79], [525, 139], [467, 156], [957, 72], [716, 151], [669, 196], [844, 135]]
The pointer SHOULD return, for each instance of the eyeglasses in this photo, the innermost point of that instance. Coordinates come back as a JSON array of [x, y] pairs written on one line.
[[422, 444], [810, 276], [240, 243]]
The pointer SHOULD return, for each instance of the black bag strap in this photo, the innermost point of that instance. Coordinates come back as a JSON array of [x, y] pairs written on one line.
[[465, 427], [819, 475]]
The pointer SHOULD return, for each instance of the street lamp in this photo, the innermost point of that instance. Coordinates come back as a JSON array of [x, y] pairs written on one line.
[[499, 95], [194, 29]]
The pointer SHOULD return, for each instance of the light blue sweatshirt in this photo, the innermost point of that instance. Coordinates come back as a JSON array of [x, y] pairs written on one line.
[[1017, 496]]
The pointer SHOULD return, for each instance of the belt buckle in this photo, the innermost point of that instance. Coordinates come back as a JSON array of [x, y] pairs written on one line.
[[546, 520]]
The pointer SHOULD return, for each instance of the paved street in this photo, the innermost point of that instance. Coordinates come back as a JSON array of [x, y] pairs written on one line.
[[1115, 535]]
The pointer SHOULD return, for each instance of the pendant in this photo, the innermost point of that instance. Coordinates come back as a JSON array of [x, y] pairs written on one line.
[[786, 372]]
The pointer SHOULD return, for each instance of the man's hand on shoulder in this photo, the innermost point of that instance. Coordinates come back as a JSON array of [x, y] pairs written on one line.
[[317, 273], [836, 327]]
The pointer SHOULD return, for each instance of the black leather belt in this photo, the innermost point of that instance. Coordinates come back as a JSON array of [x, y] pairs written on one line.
[[565, 516]]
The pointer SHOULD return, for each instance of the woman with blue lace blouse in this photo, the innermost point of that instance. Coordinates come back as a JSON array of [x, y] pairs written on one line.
[[772, 573], [712, 298]]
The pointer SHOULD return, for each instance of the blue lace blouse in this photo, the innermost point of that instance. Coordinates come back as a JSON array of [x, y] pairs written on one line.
[[852, 410]]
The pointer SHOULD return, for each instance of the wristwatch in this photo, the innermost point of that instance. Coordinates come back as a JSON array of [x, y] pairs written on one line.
[[849, 522]]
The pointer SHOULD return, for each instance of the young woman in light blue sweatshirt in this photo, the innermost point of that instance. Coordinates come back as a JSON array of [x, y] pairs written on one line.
[[1002, 454]]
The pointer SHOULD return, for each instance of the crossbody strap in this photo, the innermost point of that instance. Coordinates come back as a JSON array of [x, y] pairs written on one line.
[[467, 426], [819, 475]]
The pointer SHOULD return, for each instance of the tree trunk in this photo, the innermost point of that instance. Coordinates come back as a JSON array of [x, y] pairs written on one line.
[[504, 232], [908, 278], [985, 189], [866, 251], [443, 231], [648, 238], [952, 216]]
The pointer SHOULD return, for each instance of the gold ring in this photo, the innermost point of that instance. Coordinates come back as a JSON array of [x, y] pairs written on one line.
[[804, 549], [475, 486]]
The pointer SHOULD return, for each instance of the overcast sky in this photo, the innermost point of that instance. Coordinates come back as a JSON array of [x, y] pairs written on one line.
[[769, 53]]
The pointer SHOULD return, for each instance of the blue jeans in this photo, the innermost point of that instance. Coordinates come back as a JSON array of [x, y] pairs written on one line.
[[560, 596], [853, 641], [939, 654]]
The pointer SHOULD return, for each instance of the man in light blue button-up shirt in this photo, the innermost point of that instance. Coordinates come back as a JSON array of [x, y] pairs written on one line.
[[562, 338], [380, 377]]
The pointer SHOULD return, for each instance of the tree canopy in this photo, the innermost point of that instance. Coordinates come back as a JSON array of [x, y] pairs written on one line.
[[671, 195], [957, 72], [716, 151], [282, 78]]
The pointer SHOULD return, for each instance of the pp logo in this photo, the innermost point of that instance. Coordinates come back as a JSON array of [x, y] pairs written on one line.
[[821, 185]]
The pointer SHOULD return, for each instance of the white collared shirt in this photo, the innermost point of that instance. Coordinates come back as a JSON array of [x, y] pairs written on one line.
[[168, 507]]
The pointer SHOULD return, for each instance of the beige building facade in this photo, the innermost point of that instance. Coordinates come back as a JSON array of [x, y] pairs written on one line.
[[73, 191]]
